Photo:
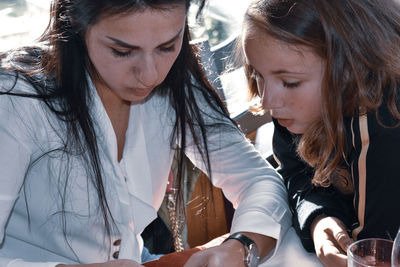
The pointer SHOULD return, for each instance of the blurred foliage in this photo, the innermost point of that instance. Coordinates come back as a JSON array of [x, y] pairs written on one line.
[[214, 30], [208, 27]]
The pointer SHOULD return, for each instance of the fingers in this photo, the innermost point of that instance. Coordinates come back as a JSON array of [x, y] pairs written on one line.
[[330, 256], [334, 229], [219, 256], [202, 259], [331, 241], [343, 239], [339, 233]]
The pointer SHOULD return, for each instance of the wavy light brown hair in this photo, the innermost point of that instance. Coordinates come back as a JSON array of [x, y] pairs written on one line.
[[360, 42]]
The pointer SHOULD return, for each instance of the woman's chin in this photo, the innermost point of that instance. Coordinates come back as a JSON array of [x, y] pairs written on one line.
[[295, 130]]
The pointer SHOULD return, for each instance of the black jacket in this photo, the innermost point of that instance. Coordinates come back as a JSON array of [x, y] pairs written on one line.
[[373, 160]]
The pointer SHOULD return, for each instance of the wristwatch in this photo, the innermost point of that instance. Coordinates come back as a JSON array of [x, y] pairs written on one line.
[[251, 256]]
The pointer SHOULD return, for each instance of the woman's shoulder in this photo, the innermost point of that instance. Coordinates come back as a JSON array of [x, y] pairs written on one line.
[[13, 82], [17, 92], [18, 97], [20, 70], [374, 125]]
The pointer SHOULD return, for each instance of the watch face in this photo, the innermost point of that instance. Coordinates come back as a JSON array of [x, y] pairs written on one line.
[[252, 256]]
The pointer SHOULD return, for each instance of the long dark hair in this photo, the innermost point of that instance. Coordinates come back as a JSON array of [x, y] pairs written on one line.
[[58, 74], [359, 40]]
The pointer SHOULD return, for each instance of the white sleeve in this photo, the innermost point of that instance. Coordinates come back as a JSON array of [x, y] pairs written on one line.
[[15, 158], [255, 189]]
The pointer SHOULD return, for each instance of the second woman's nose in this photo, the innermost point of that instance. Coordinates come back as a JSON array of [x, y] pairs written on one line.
[[271, 96]]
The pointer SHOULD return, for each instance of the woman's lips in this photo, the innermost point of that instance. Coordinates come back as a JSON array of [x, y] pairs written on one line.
[[141, 91]]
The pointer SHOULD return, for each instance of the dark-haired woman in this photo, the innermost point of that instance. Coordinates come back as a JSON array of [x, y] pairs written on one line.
[[89, 124], [329, 73]]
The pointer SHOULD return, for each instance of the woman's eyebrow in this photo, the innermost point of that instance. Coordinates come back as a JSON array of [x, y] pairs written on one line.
[[130, 46], [122, 43], [283, 71], [176, 36]]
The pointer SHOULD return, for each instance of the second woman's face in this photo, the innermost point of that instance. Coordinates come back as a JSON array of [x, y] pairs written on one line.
[[289, 79], [133, 53]]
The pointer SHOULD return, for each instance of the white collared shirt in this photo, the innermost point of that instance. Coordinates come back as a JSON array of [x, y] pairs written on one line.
[[32, 182]]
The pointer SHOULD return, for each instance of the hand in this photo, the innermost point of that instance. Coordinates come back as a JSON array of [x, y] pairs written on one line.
[[115, 263], [229, 253], [330, 241]]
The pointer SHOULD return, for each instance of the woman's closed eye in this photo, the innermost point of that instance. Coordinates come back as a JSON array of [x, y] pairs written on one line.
[[167, 49], [290, 84], [119, 53]]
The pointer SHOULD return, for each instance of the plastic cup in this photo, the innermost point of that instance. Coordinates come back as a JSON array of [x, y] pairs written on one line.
[[370, 252]]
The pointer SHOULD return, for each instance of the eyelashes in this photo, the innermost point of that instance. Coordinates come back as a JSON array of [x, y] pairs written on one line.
[[167, 49], [125, 54], [257, 76], [120, 53], [291, 85]]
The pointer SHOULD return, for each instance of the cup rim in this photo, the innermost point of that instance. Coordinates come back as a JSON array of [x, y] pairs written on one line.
[[363, 240]]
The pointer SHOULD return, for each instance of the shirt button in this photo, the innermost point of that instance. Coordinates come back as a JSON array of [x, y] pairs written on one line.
[[116, 254], [117, 242]]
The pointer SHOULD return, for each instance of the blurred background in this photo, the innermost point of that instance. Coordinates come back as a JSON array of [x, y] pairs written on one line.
[[23, 21]]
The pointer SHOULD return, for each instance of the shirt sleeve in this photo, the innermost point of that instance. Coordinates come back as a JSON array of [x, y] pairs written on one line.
[[15, 158], [306, 200], [255, 189]]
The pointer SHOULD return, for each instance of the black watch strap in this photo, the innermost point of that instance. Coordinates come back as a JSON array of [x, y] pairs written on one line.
[[246, 241], [251, 257]]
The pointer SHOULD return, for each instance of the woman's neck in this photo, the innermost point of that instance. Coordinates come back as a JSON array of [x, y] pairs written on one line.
[[118, 112]]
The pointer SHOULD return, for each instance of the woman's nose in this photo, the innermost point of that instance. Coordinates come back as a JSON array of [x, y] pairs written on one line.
[[148, 73], [271, 97]]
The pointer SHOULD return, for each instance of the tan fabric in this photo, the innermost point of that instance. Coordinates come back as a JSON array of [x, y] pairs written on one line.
[[362, 174]]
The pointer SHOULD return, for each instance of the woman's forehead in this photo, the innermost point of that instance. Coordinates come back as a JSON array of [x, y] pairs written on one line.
[[150, 26]]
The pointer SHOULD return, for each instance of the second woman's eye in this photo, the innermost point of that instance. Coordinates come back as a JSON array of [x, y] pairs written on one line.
[[118, 53], [167, 48], [291, 84]]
